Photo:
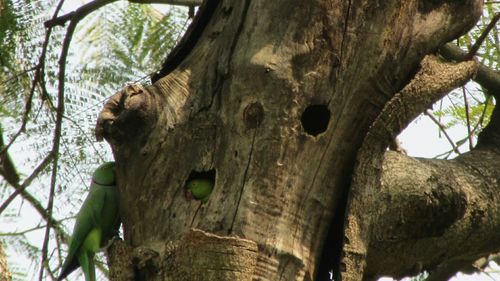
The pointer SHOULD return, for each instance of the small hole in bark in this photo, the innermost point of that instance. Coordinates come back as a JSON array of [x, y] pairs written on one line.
[[199, 185], [315, 119], [253, 115]]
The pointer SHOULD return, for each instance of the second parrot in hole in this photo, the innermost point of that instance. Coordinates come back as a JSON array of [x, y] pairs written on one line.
[[199, 189]]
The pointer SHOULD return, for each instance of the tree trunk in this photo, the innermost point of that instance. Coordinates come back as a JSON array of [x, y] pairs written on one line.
[[273, 100]]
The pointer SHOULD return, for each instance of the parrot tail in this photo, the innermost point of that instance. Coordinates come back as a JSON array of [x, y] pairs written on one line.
[[67, 270]]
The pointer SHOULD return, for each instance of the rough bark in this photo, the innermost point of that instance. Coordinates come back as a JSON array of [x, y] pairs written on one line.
[[5, 274], [274, 100], [439, 217], [486, 77], [433, 80]]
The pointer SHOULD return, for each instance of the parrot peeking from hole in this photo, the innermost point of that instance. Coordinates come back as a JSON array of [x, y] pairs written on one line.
[[199, 189], [96, 223]]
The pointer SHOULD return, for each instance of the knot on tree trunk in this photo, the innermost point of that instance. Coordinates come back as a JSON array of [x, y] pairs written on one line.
[[198, 255], [119, 255], [127, 116]]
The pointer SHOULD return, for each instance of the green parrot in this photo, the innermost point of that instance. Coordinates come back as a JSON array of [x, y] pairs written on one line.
[[97, 221], [199, 189]]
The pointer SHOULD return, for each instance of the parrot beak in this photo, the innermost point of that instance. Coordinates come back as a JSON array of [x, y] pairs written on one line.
[[188, 195]]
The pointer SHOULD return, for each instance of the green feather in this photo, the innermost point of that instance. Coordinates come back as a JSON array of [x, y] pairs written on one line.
[[97, 221], [200, 189], [105, 174]]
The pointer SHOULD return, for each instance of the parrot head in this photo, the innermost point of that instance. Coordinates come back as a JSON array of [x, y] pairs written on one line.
[[105, 174], [199, 189]]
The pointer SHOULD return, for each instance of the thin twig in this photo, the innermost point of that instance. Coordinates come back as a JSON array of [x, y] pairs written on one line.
[[17, 75], [483, 35], [188, 3], [467, 118], [19, 233], [445, 155], [78, 14], [21, 188], [443, 129], [57, 135], [481, 118]]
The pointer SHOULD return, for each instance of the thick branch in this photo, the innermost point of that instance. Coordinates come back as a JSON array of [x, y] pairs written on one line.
[[442, 216], [485, 76], [432, 81]]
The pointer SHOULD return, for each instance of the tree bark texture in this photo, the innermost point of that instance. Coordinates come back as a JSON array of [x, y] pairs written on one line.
[[5, 274], [437, 215], [237, 108], [433, 80]]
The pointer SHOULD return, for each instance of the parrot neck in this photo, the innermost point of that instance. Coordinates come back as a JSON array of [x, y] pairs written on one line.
[[102, 185]]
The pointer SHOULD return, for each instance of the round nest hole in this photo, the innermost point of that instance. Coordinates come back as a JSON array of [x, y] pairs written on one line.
[[315, 119]]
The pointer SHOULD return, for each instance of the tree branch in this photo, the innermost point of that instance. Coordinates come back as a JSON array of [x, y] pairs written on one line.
[[189, 3], [22, 188], [7, 167], [485, 76], [57, 134], [432, 82], [483, 35], [443, 129], [467, 118], [78, 14], [443, 214], [88, 8]]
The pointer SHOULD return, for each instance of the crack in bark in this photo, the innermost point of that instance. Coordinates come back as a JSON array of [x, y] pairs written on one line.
[[301, 205], [195, 214], [169, 208], [344, 32], [238, 33], [244, 181], [283, 269], [220, 81]]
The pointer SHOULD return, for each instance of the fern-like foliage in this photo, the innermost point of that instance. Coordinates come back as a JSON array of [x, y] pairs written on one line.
[[124, 42]]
